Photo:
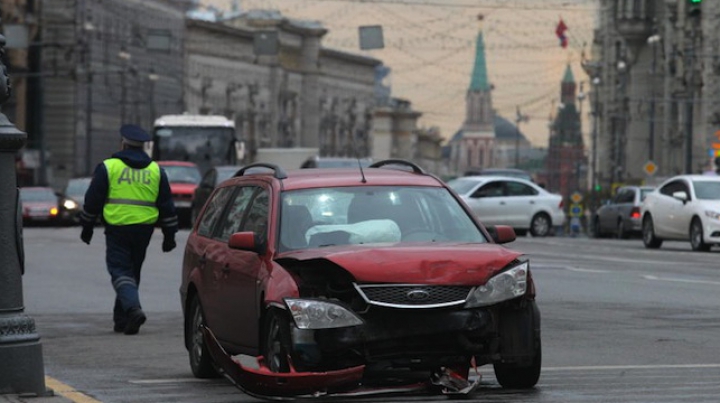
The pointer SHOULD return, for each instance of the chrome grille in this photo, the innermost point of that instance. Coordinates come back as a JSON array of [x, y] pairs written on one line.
[[413, 295]]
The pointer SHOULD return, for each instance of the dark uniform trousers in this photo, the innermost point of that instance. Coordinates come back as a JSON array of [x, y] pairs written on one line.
[[126, 246]]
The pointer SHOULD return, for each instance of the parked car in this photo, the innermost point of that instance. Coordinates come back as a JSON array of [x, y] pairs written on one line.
[[72, 199], [335, 162], [39, 204], [310, 282], [184, 178], [519, 203], [620, 216], [511, 172], [684, 207], [213, 177]]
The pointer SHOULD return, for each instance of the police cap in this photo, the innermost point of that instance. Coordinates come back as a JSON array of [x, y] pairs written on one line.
[[134, 135]]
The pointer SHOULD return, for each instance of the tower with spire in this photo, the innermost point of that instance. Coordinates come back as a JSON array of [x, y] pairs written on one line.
[[566, 163], [473, 146]]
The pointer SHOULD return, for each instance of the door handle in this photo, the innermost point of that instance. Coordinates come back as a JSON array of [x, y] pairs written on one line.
[[226, 269], [203, 260], [532, 201], [502, 203]]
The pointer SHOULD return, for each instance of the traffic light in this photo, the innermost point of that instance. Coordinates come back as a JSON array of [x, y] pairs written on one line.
[[598, 187], [694, 7]]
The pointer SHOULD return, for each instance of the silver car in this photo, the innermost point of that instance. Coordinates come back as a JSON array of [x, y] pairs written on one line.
[[620, 216], [519, 203]]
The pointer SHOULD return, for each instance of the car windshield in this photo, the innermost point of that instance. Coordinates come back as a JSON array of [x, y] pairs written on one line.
[[182, 174], [707, 190], [462, 186], [77, 187], [226, 173], [370, 215], [37, 195]]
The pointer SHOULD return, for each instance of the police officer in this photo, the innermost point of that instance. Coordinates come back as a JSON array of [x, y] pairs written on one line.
[[132, 193]]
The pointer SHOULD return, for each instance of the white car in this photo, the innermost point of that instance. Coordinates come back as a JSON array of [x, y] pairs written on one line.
[[501, 200], [684, 207]]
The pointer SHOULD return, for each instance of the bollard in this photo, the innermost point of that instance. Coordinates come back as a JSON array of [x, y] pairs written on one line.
[[21, 363]]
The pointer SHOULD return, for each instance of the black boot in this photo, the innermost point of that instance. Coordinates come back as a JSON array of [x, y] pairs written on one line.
[[136, 318]]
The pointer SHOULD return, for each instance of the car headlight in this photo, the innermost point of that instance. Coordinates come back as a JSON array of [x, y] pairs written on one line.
[[712, 214], [316, 314], [507, 285], [70, 204]]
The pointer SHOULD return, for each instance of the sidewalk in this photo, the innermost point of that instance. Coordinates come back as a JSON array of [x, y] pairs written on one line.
[[55, 398]]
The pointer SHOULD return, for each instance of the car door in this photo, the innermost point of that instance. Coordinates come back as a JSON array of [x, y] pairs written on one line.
[[520, 203], [683, 213], [488, 203], [238, 269], [665, 209], [208, 251], [202, 192]]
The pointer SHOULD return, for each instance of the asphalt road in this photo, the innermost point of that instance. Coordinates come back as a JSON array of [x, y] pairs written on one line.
[[620, 324]]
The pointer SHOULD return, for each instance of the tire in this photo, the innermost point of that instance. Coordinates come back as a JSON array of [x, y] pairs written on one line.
[[540, 225], [597, 233], [201, 362], [276, 341], [519, 377], [648, 234], [696, 236], [620, 232], [519, 332]]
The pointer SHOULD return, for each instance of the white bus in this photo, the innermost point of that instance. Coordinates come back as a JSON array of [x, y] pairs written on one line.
[[206, 140]]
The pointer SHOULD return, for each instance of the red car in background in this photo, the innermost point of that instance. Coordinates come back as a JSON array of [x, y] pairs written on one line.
[[353, 281], [39, 205], [184, 177]]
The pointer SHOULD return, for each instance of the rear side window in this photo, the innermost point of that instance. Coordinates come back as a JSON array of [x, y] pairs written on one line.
[[214, 209], [232, 220]]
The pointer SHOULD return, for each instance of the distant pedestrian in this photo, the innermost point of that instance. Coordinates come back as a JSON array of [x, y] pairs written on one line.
[[131, 193]]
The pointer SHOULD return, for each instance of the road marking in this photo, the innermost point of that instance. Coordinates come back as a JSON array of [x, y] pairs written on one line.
[[168, 381], [626, 367], [580, 270], [68, 391], [680, 280]]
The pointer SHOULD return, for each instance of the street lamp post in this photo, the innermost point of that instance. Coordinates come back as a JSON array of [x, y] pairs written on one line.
[[519, 118], [654, 42], [596, 121], [21, 362]]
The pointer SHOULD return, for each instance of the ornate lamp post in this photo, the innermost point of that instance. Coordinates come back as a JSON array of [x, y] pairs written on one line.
[[21, 362]]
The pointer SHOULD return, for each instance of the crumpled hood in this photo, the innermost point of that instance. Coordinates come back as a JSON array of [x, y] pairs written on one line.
[[446, 264]]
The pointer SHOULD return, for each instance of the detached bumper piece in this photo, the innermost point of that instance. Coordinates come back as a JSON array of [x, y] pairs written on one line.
[[252, 376]]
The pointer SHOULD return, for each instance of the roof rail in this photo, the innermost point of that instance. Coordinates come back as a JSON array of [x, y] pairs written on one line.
[[278, 172], [416, 169]]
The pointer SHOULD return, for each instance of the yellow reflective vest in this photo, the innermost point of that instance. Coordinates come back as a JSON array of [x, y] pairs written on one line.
[[132, 193]]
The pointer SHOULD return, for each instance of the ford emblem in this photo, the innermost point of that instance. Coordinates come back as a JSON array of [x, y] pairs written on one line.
[[417, 295]]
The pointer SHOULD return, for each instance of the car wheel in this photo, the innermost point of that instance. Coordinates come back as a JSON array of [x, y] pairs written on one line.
[[540, 225], [519, 377], [519, 336], [276, 346], [597, 233], [696, 236], [200, 360], [621, 234], [648, 233]]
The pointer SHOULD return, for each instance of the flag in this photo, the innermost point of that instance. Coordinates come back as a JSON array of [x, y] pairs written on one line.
[[560, 32]]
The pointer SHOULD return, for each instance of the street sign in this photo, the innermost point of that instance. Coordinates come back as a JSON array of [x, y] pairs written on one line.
[[576, 197], [650, 168], [575, 210]]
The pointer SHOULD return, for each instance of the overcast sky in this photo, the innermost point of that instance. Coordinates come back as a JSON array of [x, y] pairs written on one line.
[[430, 47]]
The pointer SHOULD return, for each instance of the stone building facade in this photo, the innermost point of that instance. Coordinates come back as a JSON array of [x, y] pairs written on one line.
[[655, 73], [302, 95]]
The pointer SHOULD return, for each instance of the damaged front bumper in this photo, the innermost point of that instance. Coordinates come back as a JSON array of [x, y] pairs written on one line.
[[252, 376]]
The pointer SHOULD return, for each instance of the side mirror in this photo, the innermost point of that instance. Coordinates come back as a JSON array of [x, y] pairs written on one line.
[[681, 195], [502, 233], [246, 241]]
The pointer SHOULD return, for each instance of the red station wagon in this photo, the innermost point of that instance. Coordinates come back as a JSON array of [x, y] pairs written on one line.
[[353, 281]]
